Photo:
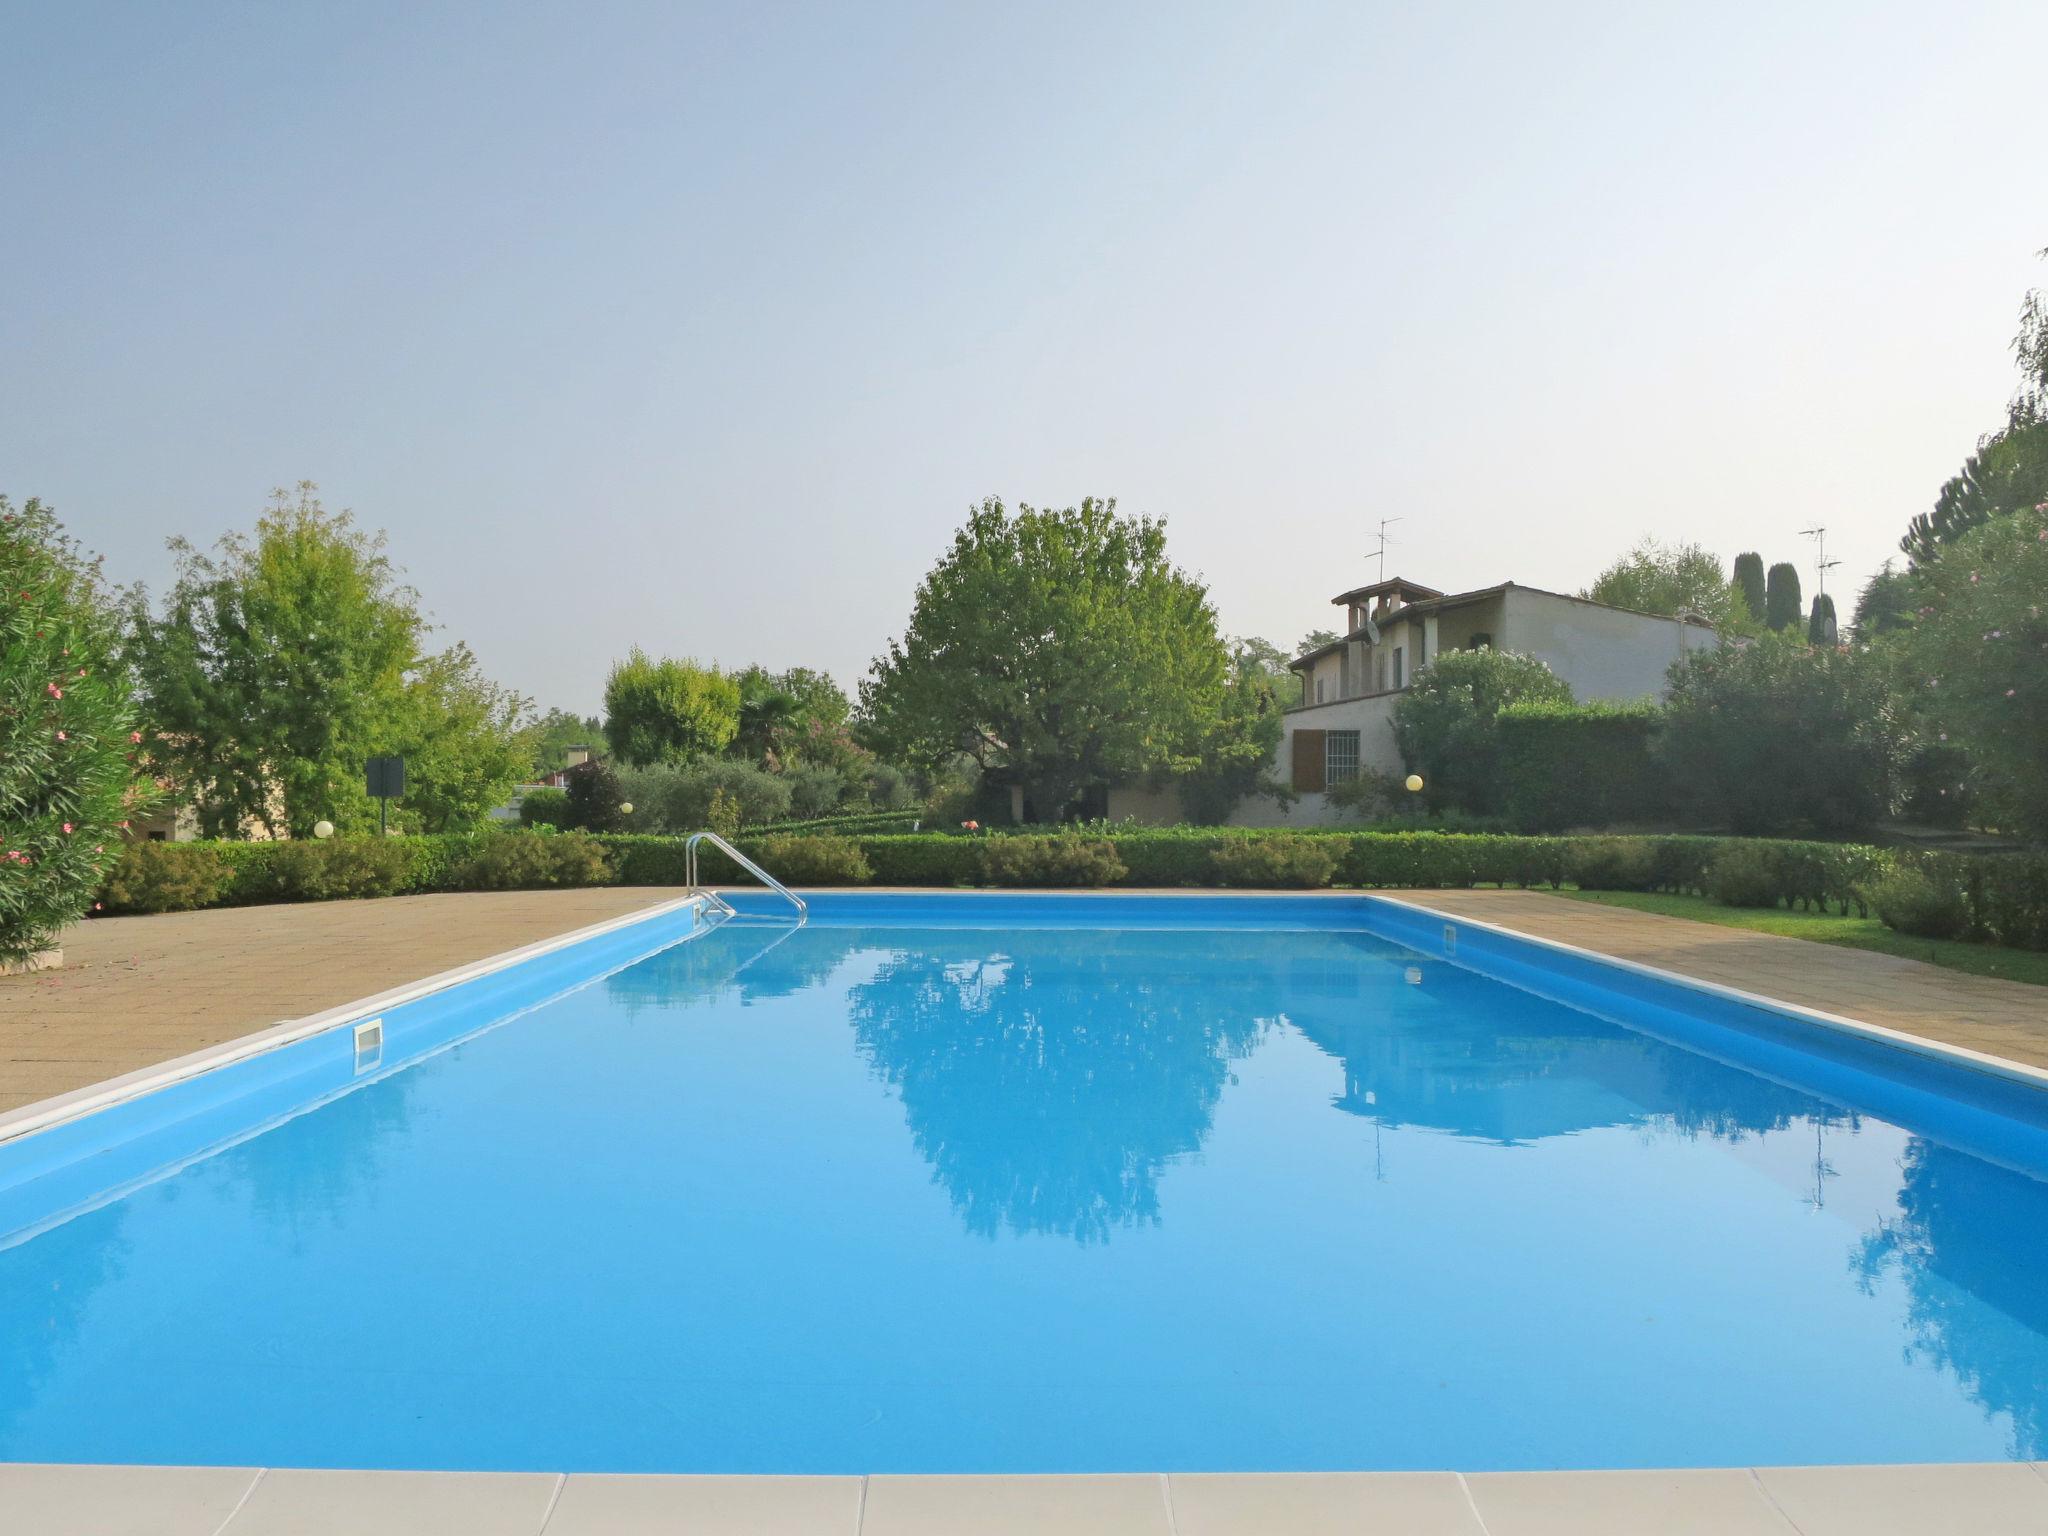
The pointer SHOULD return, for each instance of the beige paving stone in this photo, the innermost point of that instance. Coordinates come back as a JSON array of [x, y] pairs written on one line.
[[592, 1505], [119, 1501], [309, 1503], [1321, 1504], [2002, 1018], [2004, 1498], [1710, 1502], [1114, 1505]]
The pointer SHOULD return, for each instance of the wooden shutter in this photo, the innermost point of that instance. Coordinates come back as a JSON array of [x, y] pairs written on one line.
[[1308, 761]]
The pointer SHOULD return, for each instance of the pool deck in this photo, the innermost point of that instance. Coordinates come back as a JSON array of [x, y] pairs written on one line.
[[139, 991]]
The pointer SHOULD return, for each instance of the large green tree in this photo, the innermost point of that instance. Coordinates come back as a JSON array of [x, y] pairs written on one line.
[[66, 731], [1979, 661], [2009, 471], [668, 711], [1060, 648], [285, 658], [1235, 753], [1671, 579]]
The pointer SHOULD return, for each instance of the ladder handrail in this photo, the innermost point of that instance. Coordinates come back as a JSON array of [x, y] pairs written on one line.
[[760, 874]]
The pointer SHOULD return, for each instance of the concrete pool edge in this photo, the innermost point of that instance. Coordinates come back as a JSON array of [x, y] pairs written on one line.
[[1986, 1498], [65, 1107]]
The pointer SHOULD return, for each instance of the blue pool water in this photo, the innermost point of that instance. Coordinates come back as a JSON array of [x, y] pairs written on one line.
[[1046, 1185]]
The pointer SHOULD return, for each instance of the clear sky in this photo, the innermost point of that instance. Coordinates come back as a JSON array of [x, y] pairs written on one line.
[[702, 327]]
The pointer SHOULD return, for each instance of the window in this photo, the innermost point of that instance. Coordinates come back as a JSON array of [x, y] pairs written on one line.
[[1319, 690], [1340, 756], [1397, 667], [1480, 641]]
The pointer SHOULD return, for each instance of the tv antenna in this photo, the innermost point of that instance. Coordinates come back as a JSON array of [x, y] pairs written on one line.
[[1821, 563], [1380, 553]]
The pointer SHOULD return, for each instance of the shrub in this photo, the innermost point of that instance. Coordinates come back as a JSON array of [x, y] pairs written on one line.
[[592, 799], [65, 722], [342, 869], [544, 808], [1445, 722], [1064, 858], [1744, 876], [889, 789], [1273, 861], [1613, 864], [1772, 736], [167, 877], [1910, 901], [1580, 765], [812, 860], [668, 711], [518, 861], [814, 791]]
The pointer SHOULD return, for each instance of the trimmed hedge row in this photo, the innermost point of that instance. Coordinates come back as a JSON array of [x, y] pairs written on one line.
[[1581, 765], [244, 873]]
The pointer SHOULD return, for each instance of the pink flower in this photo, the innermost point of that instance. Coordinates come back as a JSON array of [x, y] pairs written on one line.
[[67, 829], [134, 738], [63, 736], [2010, 692], [1973, 578], [53, 690], [96, 906]]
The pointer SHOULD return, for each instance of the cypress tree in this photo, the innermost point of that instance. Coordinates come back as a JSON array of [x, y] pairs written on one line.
[[1749, 581], [1781, 597], [1820, 624]]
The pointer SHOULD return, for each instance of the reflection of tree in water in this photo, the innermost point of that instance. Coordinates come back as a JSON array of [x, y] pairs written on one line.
[[1461, 1053], [1971, 1246], [1048, 1081], [753, 961], [47, 1285]]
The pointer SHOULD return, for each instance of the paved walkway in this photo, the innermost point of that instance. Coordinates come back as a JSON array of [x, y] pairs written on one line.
[[134, 991], [2001, 1018]]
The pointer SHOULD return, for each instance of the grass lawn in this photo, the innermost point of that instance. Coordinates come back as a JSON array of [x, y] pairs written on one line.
[[1827, 928]]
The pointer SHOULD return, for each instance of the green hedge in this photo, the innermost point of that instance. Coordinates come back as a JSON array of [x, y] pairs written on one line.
[[2003, 899], [1581, 765]]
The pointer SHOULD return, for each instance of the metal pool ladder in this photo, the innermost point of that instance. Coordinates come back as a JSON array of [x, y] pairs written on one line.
[[760, 874]]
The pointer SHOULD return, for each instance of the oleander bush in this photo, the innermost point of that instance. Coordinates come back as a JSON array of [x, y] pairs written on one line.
[[1613, 864], [1744, 876], [1909, 900], [1304, 862], [812, 860], [167, 877], [1061, 858], [339, 869], [514, 861]]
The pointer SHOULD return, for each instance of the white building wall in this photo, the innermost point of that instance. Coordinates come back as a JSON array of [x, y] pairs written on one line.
[[1604, 654]]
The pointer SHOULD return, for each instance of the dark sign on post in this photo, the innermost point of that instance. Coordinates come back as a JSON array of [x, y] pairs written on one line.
[[385, 780]]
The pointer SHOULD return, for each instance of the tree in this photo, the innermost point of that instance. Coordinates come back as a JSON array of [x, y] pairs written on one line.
[[465, 740], [66, 731], [1749, 582], [1059, 647], [1669, 579], [2009, 471], [1445, 725], [290, 655], [592, 798], [1820, 623], [1773, 736], [549, 738], [1885, 605], [1235, 754], [668, 711], [276, 668], [1781, 597], [1979, 655]]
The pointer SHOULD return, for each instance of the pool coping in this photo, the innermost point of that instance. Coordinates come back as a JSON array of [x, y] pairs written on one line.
[[63, 1107]]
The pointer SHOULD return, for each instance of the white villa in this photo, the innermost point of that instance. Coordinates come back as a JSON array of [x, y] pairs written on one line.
[[1344, 721]]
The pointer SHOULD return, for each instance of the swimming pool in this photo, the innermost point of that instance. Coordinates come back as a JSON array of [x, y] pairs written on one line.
[[1042, 1183]]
